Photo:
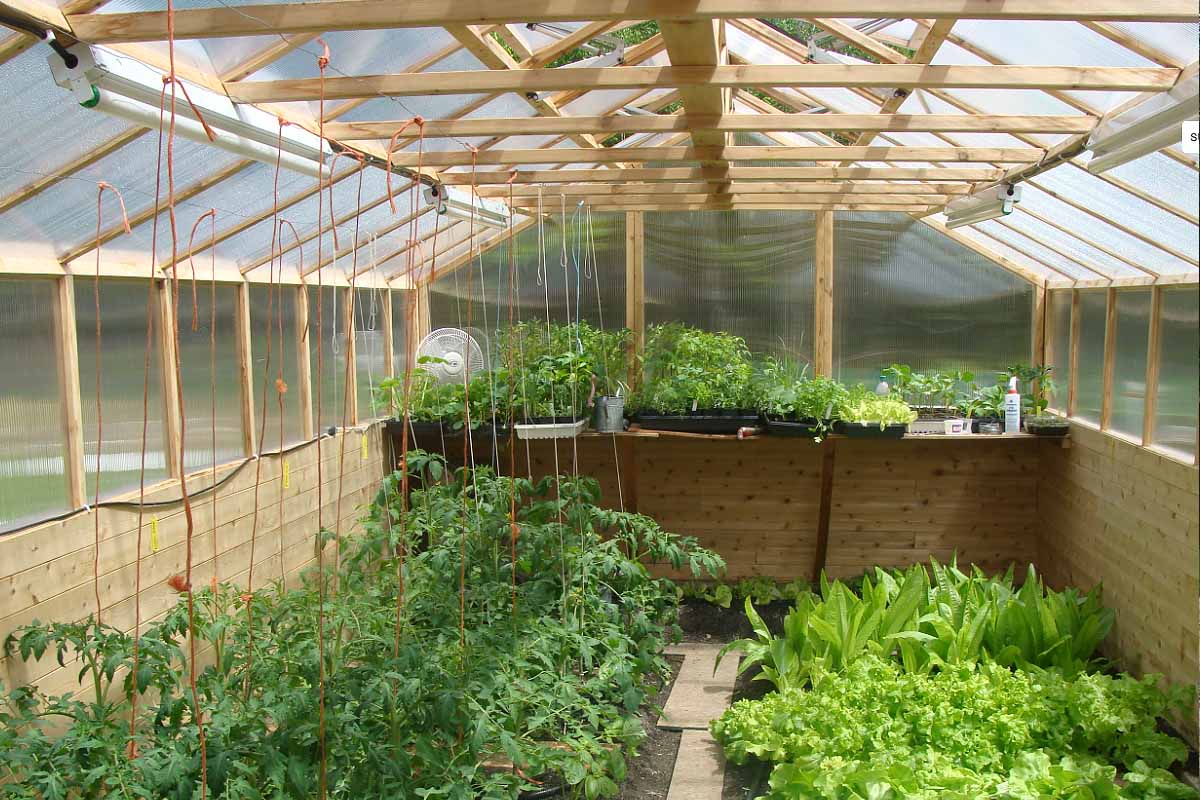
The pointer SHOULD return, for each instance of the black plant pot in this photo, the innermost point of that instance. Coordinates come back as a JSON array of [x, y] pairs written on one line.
[[855, 430], [705, 421], [977, 420], [806, 428]]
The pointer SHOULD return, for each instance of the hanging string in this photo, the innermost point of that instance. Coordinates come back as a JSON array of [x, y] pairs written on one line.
[[322, 65], [281, 387], [467, 436], [607, 371], [211, 214], [514, 531], [349, 372]]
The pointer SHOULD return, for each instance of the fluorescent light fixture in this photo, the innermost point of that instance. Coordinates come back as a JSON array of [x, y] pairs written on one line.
[[126, 88], [457, 205], [1144, 128], [997, 201]]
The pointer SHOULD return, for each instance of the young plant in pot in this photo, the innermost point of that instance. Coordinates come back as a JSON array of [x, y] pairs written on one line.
[[1038, 386], [795, 405], [863, 413]]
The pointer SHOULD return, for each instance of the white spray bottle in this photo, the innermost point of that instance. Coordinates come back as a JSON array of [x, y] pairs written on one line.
[[1012, 408]]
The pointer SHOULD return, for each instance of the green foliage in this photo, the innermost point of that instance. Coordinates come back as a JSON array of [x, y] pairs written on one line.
[[560, 644], [687, 369], [759, 590], [862, 406], [965, 732], [786, 393], [928, 389]]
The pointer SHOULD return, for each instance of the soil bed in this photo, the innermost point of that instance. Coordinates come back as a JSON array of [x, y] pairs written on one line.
[[703, 621], [651, 769]]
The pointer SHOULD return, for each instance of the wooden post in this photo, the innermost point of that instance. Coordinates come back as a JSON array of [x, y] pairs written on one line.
[[1073, 356], [66, 348], [241, 315], [635, 288], [304, 363], [1038, 334], [823, 297], [424, 317], [350, 373], [1153, 352], [1110, 358], [828, 453], [172, 432]]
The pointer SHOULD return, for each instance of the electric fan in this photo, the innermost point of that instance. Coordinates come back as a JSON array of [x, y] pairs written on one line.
[[453, 350]]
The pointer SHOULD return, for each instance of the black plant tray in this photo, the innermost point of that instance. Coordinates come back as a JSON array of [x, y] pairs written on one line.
[[796, 428], [977, 420], [429, 435], [708, 422], [1048, 430], [854, 430]]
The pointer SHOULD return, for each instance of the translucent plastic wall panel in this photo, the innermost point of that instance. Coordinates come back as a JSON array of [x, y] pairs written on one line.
[[1129, 368], [123, 376], [478, 294], [273, 336], [904, 293], [1089, 376], [327, 355], [1178, 383], [211, 397], [748, 273], [400, 328], [1058, 355], [369, 356], [32, 484]]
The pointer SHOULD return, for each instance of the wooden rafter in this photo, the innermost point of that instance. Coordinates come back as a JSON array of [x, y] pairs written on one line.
[[314, 17], [686, 122], [782, 200], [566, 155], [890, 76], [926, 174], [933, 192]]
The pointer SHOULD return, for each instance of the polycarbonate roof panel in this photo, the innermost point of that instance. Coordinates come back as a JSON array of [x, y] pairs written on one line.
[[1178, 39], [1073, 246], [65, 214], [1171, 182], [752, 49], [1019, 241], [1003, 250], [1047, 43], [31, 105], [360, 53]]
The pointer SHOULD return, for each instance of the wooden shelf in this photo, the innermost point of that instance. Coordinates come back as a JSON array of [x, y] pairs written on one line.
[[637, 433]]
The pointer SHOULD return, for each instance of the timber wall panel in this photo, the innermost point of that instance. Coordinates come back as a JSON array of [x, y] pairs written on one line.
[[46, 571], [756, 501], [1123, 516]]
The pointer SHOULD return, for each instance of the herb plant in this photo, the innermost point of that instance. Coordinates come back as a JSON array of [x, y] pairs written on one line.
[[686, 369], [863, 407]]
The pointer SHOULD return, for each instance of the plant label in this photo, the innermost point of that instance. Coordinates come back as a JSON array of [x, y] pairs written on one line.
[[154, 534], [287, 474], [364, 447]]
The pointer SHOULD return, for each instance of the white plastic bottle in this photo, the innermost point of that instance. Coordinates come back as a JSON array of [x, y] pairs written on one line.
[[1012, 408], [882, 389]]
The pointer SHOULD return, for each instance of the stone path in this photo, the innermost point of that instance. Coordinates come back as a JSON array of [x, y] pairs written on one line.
[[698, 697]]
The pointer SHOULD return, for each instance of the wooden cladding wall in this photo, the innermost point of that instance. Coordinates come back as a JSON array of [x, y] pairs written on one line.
[[46, 571], [1117, 514], [756, 502]]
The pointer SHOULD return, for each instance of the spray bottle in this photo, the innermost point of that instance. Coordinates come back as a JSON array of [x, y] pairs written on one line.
[[1012, 408]]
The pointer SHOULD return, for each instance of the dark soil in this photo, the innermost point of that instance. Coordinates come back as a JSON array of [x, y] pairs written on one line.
[[651, 769], [702, 621]]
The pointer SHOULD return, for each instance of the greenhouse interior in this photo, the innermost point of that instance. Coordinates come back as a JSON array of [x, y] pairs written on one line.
[[645, 400]]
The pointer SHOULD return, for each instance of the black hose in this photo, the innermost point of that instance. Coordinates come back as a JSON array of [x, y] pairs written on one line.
[[540, 794]]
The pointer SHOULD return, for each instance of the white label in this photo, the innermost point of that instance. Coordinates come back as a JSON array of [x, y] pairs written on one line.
[[1191, 137]]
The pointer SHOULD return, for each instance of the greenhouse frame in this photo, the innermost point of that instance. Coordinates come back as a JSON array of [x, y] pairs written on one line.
[[594, 398]]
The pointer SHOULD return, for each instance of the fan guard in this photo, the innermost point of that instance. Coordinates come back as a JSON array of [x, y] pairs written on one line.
[[458, 349]]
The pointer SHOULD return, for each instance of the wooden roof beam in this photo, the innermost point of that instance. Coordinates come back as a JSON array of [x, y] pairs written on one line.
[[892, 76], [551, 176], [315, 17]]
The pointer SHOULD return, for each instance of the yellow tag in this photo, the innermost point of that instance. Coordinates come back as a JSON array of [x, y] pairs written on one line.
[[154, 534], [287, 474], [364, 447]]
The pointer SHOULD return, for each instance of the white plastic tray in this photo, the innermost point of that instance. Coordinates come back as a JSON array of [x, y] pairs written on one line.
[[559, 430]]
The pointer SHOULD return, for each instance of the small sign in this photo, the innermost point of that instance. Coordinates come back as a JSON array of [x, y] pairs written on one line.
[[154, 534], [364, 447], [1191, 137], [287, 474]]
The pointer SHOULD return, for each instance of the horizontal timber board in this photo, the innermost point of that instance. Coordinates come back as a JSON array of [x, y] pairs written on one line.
[[655, 174], [314, 17], [682, 123], [889, 76]]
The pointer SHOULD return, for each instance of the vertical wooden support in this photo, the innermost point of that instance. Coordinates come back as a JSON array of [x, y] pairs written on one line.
[[1073, 356], [823, 297], [66, 348], [635, 288], [245, 357], [172, 431], [1110, 358], [1040, 326], [424, 317], [349, 412], [828, 454], [389, 341], [304, 364], [1153, 352]]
